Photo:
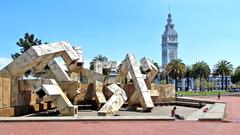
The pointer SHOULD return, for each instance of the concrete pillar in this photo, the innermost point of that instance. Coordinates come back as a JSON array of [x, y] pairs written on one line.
[[98, 86]]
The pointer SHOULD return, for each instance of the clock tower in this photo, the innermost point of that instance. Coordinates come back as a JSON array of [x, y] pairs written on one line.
[[169, 42]]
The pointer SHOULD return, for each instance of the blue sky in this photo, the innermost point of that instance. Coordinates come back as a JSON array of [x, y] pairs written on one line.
[[208, 30]]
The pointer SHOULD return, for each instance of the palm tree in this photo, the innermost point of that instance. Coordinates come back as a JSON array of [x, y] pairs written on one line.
[[188, 74], [223, 68], [201, 70], [164, 75], [176, 69]]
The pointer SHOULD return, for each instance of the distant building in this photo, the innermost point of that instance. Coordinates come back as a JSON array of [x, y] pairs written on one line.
[[170, 52], [169, 42], [217, 82], [214, 83]]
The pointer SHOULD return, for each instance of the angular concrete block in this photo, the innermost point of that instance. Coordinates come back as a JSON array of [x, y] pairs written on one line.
[[141, 89], [14, 92], [154, 94], [123, 71], [109, 64], [79, 52], [1, 95], [6, 92], [100, 98], [50, 91], [6, 112], [141, 92], [115, 102], [98, 86], [58, 71], [37, 56], [149, 68], [92, 75]]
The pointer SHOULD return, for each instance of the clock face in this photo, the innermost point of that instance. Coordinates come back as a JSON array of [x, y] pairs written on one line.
[[172, 54]]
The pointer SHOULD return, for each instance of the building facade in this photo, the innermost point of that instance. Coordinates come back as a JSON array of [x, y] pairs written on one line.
[[169, 42], [170, 52], [214, 83]]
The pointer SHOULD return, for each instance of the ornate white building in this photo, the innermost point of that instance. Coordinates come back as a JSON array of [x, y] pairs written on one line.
[[169, 42]]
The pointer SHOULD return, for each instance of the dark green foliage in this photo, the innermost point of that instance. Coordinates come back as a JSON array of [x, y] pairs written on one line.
[[176, 69], [236, 75], [223, 68], [188, 75], [25, 43], [201, 70]]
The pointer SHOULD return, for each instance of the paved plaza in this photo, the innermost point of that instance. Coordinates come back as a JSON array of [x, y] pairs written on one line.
[[231, 125]]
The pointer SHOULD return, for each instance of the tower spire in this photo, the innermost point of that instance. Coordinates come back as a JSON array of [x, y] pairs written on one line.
[[169, 40], [169, 8], [169, 12]]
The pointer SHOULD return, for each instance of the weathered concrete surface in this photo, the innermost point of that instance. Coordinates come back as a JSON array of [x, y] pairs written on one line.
[[50, 91], [5, 92], [115, 102], [141, 93], [7, 112], [58, 71], [98, 86], [196, 115], [91, 75], [123, 71], [36, 55], [166, 92], [35, 59], [149, 68], [198, 100], [28, 85], [109, 64], [61, 75], [216, 112]]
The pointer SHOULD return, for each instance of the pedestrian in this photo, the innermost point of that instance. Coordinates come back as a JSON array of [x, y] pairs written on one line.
[[174, 114], [218, 95]]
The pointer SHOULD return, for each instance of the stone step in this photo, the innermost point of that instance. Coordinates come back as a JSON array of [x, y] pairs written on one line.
[[197, 100], [189, 104], [215, 113], [196, 115]]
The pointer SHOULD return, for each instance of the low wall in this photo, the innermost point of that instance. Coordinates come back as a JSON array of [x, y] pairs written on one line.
[[166, 92], [26, 101], [5, 97]]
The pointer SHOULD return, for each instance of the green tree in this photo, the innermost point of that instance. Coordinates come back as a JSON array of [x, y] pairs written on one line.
[[197, 83], [201, 70], [25, 43], [224, 69], [176, 70], [235, 77], [163, 75], [188, 75], [100, 58]]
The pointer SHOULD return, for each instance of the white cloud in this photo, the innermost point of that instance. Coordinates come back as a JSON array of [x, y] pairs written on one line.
[[4, 62]]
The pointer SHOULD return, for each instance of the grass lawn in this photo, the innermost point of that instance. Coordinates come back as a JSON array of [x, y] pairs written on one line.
[[198, 93]]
